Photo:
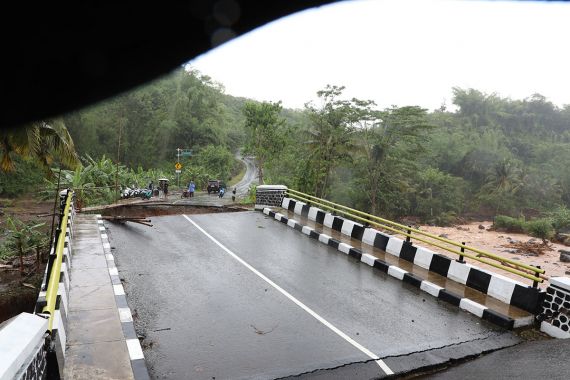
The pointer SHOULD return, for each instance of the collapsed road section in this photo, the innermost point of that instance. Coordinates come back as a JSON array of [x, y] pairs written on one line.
[[138, 211]]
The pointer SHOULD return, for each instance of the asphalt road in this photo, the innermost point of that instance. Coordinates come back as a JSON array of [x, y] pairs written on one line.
[[250, 176], [239, 295]]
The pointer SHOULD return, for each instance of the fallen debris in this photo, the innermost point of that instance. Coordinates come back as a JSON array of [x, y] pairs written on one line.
[[529, 247], [261, 332], [124, 219]]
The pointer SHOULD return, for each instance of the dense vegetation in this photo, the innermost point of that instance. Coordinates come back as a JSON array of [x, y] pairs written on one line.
[[185, 110], [488, 156], [491, 156]]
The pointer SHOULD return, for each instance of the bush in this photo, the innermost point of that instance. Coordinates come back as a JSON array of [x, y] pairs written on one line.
[[250, 199], [445, 219], [540, 228], [27, 177], [508, 224], [560, 218]]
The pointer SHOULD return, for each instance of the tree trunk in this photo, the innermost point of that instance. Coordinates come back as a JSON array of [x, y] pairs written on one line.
[[373, 203], [260, 172]]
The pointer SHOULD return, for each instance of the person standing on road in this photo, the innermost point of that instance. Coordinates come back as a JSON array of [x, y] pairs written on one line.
[[165, 190], [191, 188]]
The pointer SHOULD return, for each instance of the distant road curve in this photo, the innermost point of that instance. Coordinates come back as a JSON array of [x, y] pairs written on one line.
[[250, 177]]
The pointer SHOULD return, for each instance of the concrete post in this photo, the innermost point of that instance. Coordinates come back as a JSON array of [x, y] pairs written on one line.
[[22, 347], [269, 196], [555, 314]]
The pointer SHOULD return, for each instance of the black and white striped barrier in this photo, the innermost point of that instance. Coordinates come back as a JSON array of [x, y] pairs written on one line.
[[495, 285], [136, 355]]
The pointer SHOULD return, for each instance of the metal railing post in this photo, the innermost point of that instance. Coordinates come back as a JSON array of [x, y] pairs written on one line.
[[408, 238], [51, 257], [461, 258], [535, 283]]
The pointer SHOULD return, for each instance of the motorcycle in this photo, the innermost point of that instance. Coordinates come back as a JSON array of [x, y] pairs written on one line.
[[146, 193]]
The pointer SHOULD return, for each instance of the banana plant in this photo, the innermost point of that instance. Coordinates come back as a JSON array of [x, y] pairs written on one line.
[[24, 238]]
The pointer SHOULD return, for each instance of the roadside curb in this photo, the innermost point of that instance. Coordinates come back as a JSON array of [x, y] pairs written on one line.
[[138, 364], [443, 294]]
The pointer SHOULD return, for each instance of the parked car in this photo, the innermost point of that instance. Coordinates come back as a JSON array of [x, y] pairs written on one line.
[[213, 186]]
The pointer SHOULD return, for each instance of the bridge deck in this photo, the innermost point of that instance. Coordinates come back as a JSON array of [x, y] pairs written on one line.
[[237, 295]]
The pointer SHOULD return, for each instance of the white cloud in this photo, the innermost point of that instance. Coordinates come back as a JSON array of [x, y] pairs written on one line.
[[401, 52]]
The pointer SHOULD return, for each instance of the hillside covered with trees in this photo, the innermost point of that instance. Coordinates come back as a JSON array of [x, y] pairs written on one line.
[[489, 156]]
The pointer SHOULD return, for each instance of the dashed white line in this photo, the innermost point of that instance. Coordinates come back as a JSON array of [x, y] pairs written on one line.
[[357, 345]]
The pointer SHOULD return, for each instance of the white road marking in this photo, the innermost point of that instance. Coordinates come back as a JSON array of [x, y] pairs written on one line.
[[363, 349], [135, 350], [125, 314], [118, 290]]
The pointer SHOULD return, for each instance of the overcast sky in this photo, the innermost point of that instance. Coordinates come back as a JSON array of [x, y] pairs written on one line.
[[400, 52]]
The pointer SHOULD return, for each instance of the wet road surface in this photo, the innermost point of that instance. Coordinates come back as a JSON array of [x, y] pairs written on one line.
[[242, 296]]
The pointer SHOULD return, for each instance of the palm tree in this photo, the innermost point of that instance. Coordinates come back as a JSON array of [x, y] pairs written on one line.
[[43, 141], [503, 183]]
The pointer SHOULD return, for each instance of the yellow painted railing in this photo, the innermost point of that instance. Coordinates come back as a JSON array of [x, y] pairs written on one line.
[[523, 270], [54, 275]]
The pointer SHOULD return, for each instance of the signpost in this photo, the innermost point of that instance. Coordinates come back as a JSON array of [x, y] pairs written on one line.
[[178, 166], [186, 152]]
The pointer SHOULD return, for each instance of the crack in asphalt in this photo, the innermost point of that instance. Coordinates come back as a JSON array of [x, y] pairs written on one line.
[[444, 346], [493, 335], [328, 369]]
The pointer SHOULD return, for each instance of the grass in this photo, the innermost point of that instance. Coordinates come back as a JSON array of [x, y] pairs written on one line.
[[235, 179]]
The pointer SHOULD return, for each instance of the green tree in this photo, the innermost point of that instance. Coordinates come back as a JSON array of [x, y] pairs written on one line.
[[329, 137], [217, 162], [263, 125], [390, 142], [503, 184], [45, 142]]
